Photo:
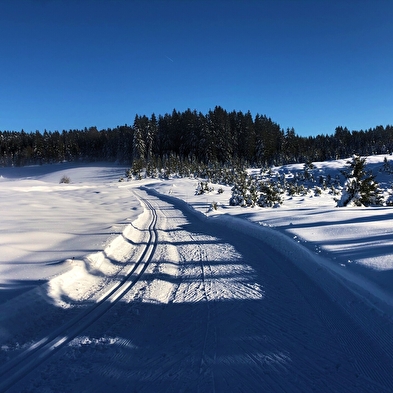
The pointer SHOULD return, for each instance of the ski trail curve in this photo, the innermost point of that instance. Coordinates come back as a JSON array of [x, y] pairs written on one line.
[[217, 310], [266, 318], [40, 351]]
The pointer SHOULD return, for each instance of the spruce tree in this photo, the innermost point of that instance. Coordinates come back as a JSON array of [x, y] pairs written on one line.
[[360, 188]]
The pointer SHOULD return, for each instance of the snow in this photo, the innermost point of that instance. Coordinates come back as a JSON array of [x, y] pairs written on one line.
[[143, 286]]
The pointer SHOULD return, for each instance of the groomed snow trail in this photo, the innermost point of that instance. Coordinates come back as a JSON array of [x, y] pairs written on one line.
[[37, 353], [214, 310]]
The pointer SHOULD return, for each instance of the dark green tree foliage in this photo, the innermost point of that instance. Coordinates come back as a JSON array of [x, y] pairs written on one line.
[[140, 138], [269, 141], [217, 137]]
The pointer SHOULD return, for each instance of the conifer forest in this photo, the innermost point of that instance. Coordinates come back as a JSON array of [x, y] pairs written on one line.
[[218, 137]]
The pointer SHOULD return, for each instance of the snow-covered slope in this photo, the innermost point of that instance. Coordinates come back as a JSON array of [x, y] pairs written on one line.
[[143, 286]]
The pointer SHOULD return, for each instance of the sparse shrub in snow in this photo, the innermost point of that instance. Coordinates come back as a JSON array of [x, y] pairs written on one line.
[[292, 189], [386, 166], [220, 190], [309, 166], [317, 191], [303, 190], [65, 180], [248, 191], [202, 188], [389, 199], [214, 206], [296, 189], [334, 191], [129, 174], [199, 189], [323, 182], [270, 194]]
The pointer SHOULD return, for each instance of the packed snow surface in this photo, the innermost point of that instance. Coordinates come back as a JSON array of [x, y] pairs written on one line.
[[142, 286]]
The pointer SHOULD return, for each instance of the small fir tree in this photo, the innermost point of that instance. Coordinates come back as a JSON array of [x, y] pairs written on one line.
[[360, 188], [270, 194]]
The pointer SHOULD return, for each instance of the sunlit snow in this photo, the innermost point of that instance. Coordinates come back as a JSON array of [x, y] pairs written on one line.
[[64, 247]]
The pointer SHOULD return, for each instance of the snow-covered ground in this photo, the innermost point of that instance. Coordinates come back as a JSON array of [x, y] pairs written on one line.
[[142, 286]]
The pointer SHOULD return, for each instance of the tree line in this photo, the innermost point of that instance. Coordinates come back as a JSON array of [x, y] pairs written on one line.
[[218, 136]]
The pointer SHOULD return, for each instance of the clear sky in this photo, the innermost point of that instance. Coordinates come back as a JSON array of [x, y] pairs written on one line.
[[308, 64]]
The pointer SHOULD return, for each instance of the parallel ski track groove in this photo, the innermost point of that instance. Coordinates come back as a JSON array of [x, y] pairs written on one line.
[[39, 352]]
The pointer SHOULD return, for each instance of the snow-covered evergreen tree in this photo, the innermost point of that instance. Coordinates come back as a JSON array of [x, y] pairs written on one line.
[[139, 141], [270, 194], [239, 191], [360, 188]]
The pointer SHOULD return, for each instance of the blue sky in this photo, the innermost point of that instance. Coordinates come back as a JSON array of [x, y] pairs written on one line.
[[308, 64]]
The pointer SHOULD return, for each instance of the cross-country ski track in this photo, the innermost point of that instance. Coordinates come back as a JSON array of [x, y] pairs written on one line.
[[200, 306]]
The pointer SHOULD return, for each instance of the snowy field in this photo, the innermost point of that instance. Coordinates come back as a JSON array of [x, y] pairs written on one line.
[[142, 286]]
